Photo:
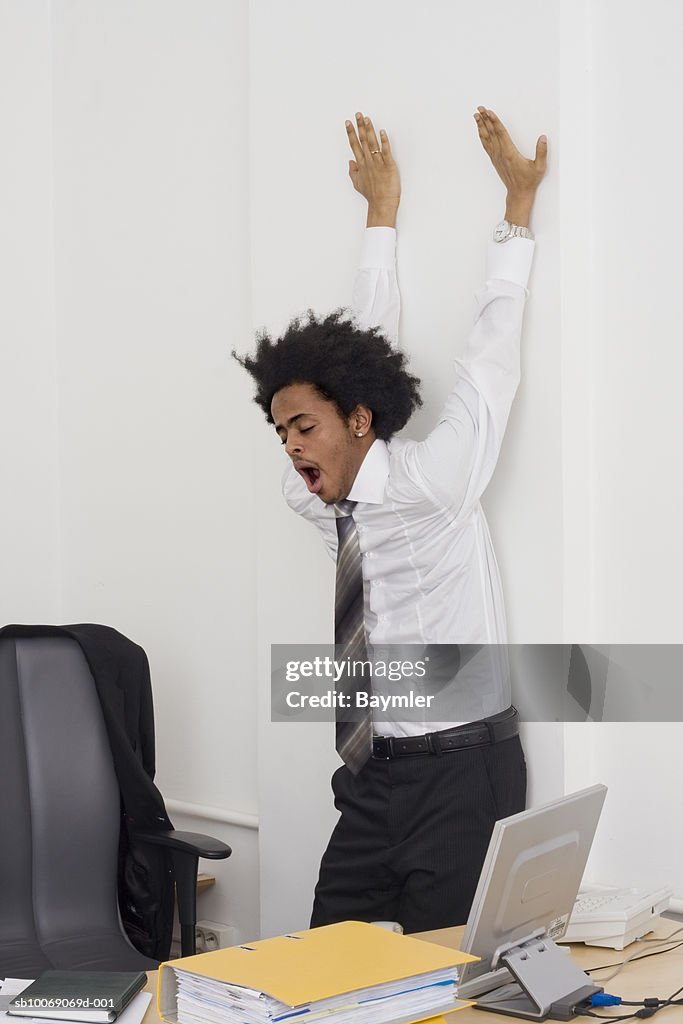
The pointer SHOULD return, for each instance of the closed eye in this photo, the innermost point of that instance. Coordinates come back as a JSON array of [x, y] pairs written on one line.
[[302, 430]]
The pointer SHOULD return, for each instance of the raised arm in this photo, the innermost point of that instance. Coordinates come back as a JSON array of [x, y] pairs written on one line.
[[374, 174], [376, 301], [457, 459]]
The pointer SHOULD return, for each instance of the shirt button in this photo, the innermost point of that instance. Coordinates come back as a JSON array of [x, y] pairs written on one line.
[[377, 583]]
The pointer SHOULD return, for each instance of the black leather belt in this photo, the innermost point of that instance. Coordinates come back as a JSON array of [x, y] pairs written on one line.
[[475, 734]]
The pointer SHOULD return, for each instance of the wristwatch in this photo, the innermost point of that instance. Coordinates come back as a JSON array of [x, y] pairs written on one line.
[[506, 230]]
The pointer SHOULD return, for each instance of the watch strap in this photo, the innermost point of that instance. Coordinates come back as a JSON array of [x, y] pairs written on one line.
[[517, 231], [511, 231]]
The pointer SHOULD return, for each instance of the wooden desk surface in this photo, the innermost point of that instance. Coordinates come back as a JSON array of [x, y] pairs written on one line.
[[655, 976]]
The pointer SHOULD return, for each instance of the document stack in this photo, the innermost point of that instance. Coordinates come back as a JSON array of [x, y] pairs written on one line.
[[339, 974]]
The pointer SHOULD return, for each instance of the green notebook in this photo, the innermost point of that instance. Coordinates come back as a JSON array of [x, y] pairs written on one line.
[[94, 997]]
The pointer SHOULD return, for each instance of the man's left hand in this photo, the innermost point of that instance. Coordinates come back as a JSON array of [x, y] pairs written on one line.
[[520, 175]]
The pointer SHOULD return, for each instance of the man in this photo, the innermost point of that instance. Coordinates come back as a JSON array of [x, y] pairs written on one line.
[[415, 564]]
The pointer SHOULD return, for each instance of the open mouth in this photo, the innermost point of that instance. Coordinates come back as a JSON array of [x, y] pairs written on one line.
[[311, 475]]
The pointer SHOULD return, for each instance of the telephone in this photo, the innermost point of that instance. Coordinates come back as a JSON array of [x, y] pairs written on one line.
[[605, 916]]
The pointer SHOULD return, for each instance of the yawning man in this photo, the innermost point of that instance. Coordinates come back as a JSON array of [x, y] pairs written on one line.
[[415, 562]]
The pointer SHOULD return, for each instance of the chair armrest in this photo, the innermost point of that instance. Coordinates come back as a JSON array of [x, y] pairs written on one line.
[[187, 842], [185, 849]]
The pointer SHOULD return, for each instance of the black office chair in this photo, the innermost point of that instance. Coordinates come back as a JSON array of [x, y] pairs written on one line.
[[60, 821]]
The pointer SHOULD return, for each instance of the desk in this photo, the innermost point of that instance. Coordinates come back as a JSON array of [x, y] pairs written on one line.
[[656, 976]]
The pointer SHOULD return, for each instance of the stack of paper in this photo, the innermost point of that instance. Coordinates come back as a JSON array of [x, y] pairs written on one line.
[[339, 974]]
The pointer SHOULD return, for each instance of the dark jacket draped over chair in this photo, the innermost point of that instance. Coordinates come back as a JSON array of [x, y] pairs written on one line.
[[121, 673]]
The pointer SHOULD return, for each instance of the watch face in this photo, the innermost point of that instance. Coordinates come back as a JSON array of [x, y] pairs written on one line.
[[501, 232]]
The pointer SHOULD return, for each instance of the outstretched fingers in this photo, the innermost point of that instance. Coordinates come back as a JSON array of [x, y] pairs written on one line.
[[362, 134], [365, 143], [500, 134], [485, 129], [354, 142], [373, 144]]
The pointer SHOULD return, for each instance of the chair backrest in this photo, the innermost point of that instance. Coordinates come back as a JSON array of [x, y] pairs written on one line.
[[59, 803]]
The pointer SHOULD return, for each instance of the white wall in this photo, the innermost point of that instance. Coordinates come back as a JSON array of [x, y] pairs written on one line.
[[639, 361], [640, 836], [635, 418], [153, 283], [29, 519]]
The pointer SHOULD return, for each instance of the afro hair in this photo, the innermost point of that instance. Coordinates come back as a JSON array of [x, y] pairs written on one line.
[[346, 365]]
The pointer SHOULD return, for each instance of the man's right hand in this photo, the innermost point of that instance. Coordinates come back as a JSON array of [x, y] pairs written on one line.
[[374, 172]]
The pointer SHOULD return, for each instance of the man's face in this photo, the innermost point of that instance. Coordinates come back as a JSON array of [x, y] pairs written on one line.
[[324, 447]]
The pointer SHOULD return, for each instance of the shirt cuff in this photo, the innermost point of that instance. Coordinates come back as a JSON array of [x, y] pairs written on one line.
[[510, 261], [379, 248]]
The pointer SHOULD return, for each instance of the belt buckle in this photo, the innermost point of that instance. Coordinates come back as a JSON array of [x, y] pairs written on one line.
[[383, 748]]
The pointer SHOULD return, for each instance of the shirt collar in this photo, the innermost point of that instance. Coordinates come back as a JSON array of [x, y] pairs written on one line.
[[371, 478]]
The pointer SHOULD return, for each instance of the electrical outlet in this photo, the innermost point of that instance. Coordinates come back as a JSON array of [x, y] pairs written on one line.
[[214, 935], [200, 944]]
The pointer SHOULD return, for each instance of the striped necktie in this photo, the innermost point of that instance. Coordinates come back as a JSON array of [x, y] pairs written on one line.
[[353, 738]]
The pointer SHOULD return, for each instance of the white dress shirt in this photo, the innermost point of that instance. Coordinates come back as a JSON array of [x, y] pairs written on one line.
[[430, 574]]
